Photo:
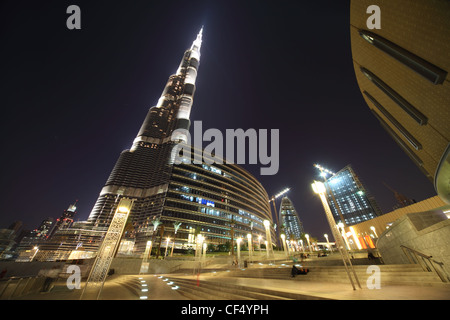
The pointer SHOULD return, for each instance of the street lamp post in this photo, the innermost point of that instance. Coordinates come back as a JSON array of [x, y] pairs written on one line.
[[283, 239], [250, 248], [319, 188], [259, 243], [238, 241], [198, 247], [36, 249], [374, 231], [340, 226], [145, 263], [204, 251], [328, 242], [268, 237], [309, 244], [167, 246]]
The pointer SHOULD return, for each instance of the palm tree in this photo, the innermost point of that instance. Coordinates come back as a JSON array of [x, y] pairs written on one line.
[[176, 226], [156, 222]]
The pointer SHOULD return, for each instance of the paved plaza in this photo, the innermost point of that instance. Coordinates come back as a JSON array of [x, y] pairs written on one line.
[[128, 287]]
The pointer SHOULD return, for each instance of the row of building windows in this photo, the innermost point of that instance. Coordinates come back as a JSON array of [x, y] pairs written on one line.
[[237, 201]]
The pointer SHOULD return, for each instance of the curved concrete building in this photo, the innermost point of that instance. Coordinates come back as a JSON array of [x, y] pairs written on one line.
[[402, 67]]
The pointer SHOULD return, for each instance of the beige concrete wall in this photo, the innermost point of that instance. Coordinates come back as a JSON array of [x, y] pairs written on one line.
[[422, 235], [423, 28], [382, 222]]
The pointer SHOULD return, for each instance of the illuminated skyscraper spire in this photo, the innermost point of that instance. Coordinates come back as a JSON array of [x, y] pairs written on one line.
[[143, 172], [173, 108]]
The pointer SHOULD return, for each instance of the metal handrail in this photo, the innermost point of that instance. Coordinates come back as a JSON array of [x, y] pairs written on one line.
[[16, 281], [443, 275]]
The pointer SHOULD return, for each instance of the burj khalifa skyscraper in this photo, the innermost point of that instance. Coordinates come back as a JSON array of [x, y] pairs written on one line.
[[143, 171]]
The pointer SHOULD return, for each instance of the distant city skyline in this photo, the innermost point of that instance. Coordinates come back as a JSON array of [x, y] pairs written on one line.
[[74, 98]]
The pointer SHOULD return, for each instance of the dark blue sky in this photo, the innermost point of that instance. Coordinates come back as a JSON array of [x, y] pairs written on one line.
[[72, 100]]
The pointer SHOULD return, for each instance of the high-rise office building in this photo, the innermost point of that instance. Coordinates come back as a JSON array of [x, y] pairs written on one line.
[[215, 200], [65, 220], [402, 70], [349, 201], [290, 221]]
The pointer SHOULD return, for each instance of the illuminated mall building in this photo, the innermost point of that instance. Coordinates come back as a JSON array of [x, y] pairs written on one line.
[[214, 200], [349, 201], [402, 71]]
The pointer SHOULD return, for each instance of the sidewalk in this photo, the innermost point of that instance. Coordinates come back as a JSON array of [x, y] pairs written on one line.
[[337, 291]]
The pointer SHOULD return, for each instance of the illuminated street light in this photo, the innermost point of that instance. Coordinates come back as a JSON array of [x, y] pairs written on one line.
[[249, 239], [146, 256], [268, 237], [198, 246], [36, 249], [319, 188], [204, 251], [309, 244], [374, 231], [340, 226], [328, 242], [355, 237], [167, 246], [283, 239], [259, 243], [238, 241]]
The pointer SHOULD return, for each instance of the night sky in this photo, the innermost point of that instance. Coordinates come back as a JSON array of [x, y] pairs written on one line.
[[72, 100]]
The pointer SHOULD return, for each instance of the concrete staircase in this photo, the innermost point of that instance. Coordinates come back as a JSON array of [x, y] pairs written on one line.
[[402, 274], [217, 290]]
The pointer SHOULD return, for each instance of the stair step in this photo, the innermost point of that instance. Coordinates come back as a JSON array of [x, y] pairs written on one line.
[[247, 292], [205, 292]]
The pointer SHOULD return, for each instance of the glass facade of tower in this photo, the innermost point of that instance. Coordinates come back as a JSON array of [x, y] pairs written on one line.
[[290, 221], [349, 200]]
